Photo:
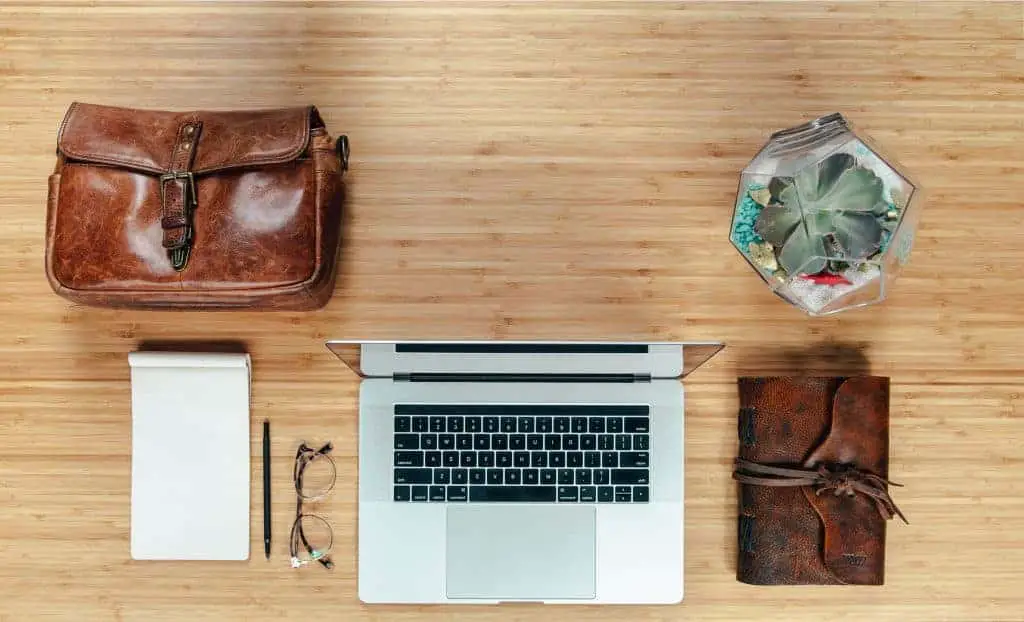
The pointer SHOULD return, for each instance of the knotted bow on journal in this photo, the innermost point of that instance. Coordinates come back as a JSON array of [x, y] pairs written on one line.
[[812, 468]]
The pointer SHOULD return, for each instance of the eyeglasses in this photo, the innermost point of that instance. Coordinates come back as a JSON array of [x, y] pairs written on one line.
[[314, 476]]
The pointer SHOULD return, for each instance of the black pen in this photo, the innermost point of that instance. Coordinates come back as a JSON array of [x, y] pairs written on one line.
[[266, 487]]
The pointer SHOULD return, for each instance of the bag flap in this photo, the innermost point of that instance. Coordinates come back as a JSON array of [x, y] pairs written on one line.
[[854, 546], [144, 140]]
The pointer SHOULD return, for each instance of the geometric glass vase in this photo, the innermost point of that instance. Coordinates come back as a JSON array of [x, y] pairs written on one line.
[[823, 218]]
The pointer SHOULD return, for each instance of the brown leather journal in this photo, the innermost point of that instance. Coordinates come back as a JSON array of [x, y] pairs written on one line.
[[813, 458], [195, 210]]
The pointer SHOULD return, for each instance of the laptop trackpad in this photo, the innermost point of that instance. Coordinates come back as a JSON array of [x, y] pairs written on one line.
[[521, 552]]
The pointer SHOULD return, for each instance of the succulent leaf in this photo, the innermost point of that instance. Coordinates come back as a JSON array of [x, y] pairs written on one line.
[[775, 223], [859, 235], [803, 253]]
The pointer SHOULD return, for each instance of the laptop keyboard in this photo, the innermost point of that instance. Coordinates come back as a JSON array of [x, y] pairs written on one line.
[[522, 453]]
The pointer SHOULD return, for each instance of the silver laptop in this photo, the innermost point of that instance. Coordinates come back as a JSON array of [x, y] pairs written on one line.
[[521, 471]]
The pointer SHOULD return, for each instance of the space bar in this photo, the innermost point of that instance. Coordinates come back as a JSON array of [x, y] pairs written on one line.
[[512, 494]]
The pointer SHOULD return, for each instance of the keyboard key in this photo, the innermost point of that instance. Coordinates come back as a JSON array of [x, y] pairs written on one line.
[[623, 442], [419, 424], [568, 494], [437, 493], [485, 458], [464, 441], [588, 494], [477, 476], [605, 494], [570, 442], [579, 425], [635, 459], [513, 477], [508, 425], [413, 476], [596, 425], [622, 494], [552, 442], [481, 441], [512, 494], [446, 441], [562, 425], [450, 459], [602, 477], [408, 459], [531, 476], [525, 425], [503, 459], [538, 459], [458, 493], [641, 442], [574, 459], [522, 459], [460, 476], [442, 476], [544, 425], [606, 442], [517, 441], [588, 442], [592, 459], [640, 494], [491, 425], [499, 442], [494, 476], [614, 425], [556, 459], [407, 441], [535, 442], [548, 476], [403, 424], [420, 493], [428, 441], [637, 424], [456, 424], [630, 476], [473, 424], [433, 459], [609, 460], [437, 425], [583, 476], [467, 458], [403, 493], [565, 476]]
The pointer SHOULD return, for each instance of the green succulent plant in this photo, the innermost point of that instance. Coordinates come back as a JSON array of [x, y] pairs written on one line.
[[835, 209]]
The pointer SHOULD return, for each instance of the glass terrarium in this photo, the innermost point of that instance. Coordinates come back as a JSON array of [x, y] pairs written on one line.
[[823, 218]]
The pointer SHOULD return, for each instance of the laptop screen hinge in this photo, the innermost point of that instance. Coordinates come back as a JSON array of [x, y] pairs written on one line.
[[452, 377]]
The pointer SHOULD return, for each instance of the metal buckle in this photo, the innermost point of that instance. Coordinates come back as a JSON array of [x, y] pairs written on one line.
[[190, 186], [341, 146], [179, 255]]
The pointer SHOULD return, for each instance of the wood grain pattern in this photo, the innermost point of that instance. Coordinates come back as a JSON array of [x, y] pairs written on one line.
[[535, 170]]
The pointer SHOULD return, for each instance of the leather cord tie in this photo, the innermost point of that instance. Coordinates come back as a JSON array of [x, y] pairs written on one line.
[[841, 479]]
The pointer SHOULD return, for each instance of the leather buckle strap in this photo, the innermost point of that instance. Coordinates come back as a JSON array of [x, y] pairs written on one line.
[[178, 197], [178, 245]]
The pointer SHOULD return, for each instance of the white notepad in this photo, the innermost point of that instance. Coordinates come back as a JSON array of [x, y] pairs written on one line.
[[190, 456]]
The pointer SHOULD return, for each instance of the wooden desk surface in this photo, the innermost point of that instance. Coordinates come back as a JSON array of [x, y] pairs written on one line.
[[546, 170]]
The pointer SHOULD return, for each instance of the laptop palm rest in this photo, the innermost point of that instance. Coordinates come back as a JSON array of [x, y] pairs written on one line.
[[521, 552]]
